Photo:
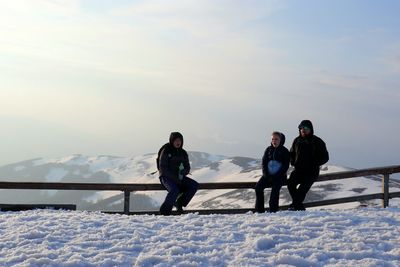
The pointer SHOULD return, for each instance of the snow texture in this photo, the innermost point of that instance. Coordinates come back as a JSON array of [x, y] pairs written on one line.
[[358, 237], [56, 175], [19, 168]]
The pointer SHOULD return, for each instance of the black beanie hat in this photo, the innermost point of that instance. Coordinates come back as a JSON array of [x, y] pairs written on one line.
[[308, 124], [175, 135]]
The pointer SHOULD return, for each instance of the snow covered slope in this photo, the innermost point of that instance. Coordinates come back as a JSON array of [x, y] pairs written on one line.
[[205, 168], [360, 237]]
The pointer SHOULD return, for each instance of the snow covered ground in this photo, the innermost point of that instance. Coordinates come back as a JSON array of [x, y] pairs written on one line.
[[337, 235], [355, 237]]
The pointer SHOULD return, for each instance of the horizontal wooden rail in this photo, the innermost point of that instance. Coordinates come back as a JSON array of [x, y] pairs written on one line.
[[358, 173], [205, 186], [127, 188], [114, 187], [283, 207], [19, 207], [394, 194]]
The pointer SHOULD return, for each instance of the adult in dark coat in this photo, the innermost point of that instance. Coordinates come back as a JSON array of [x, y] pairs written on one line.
[[275, 164], [174, 167], [307, 154]]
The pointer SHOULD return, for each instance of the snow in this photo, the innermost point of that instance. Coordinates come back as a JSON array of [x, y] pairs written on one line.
[[19, 168], [333, 168], [213, 158], [337, 235], [69, 160], [56, 175], [357, 237]]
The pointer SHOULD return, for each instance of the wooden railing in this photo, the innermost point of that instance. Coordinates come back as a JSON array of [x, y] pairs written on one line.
[[128, 188]]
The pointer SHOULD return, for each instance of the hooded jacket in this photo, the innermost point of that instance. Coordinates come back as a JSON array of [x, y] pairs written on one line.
[[280, 154], [308, 153], [171, 159]]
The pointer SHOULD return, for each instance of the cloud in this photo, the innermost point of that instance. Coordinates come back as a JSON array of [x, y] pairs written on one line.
[[202, 19], [345, 81], [391, 58], [208, 48], [53, 8], [217, 138]]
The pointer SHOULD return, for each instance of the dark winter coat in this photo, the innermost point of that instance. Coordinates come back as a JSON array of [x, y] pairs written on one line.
[[280, 154], [171, 158], [308, 153]]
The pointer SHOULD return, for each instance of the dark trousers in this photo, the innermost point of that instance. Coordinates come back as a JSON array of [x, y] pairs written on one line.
[[182, 193], [275, 183], [299, 184]]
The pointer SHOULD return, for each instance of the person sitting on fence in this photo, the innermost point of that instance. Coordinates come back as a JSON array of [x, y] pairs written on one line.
[[173, 165], [275, 164], [307, 154]]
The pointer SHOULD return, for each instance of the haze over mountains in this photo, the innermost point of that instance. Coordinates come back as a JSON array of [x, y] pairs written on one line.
[[205, 168]]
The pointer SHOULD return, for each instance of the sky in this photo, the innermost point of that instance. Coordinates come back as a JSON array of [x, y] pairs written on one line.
[[100, 77]]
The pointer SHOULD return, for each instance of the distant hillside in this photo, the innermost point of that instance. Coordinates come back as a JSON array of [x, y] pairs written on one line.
[[205, 168]]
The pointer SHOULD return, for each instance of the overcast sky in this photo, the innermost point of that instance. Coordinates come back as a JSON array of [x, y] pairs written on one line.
[[115, 77]]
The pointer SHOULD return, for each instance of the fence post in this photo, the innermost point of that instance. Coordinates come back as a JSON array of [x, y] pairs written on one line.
[[385, 189], [127, 195]]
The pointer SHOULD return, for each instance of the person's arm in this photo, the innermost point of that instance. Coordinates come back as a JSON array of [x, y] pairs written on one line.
[[186, 163], [164, 164], [264, 163], [293, 153], [322, 153]]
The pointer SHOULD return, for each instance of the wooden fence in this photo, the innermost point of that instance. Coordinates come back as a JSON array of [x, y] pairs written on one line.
[[128, 188]]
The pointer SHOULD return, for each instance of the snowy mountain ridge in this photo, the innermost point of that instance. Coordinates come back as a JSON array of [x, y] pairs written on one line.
[[111, 169]]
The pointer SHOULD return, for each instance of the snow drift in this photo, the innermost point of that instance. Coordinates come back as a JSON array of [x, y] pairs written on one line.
[[359, 237]]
